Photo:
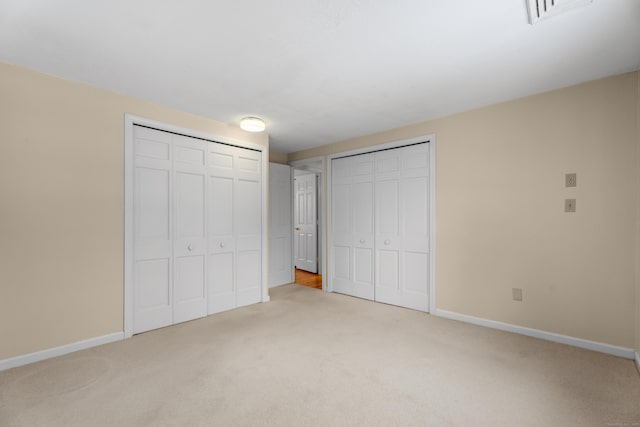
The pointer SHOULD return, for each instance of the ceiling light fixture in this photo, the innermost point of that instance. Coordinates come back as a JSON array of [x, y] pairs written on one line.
[[252, 124]]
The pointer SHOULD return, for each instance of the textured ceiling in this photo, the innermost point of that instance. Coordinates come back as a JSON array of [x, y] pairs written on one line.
[[320, 71]]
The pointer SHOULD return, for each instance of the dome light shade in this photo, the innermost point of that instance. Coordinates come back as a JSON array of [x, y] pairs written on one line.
[[252, 124]]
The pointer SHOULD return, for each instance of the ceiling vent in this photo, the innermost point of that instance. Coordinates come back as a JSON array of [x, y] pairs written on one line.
[[540, 10]]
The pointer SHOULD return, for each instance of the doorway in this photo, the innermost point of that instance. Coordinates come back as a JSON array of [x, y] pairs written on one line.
[[308, 207]]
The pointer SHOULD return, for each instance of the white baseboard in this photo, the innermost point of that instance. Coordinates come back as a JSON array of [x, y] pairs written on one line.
[[49, 353], [638, 361], [627, 353]]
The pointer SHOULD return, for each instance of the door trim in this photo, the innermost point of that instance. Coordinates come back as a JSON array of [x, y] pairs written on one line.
[[129, 160], [432, 204]]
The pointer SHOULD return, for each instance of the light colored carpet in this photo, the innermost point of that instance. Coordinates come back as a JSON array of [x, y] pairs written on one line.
[[309, 358]]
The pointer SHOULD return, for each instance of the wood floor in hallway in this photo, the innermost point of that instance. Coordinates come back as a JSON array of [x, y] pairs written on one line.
[[308, 279]]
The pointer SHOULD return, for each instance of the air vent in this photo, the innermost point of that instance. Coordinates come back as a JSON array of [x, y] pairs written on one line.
[[540, 10]]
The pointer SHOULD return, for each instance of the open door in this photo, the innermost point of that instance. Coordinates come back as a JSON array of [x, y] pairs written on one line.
[[306, 223], [280, 225]]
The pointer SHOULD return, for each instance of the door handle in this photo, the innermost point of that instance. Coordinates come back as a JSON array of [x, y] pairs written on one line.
[[386, 242], [189, 248], [222, 245], [361, 241], [297, 228]]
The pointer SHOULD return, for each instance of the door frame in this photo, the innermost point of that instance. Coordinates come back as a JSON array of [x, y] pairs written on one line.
[[129, 164], [322, 210], [432, 205]]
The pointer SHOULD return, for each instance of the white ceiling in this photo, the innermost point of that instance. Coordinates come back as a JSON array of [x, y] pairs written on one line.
[[320, 71]]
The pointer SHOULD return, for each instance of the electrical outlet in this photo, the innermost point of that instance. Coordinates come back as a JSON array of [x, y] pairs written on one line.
[[517, 294], [569, 205], [570, 180]]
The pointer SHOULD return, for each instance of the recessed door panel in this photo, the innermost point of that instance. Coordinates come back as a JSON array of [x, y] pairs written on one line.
[[189, 293], [248, 207], [342, 263], [154, 289], [363, 208], [387, 208], [249, 274], [220, 206], [363, 268], [388, 269], [152, 204], [342, 211], [221, 290], [416, 267], [190, 201]]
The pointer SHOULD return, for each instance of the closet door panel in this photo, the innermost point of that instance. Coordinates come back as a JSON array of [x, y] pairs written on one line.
[[221, 241], [190, 196], [152, 217], [248, 226], [220, 283], [248, 278], [341, 263], [153, 308]]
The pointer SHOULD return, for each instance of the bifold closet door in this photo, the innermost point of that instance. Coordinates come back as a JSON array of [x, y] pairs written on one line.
[[153, 229], [234, 227], [353, 225], [169, 236], [189, 243], [380, 220], [402, 227]]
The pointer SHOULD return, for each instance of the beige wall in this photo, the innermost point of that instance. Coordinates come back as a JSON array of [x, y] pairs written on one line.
[[277, 157], [61, 209], [500, 200]]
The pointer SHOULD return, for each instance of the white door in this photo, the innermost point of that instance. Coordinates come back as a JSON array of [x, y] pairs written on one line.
[[402, 227], [248, 226], [189, 245], [280, 224], [306, 223], [353, 225], [153, 227], [380, 205], [234, 227]]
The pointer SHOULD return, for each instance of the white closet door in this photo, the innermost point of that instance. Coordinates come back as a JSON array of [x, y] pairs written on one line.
[[222, 251], [353, 225], [189, 289], [153, 266], [280, 225], [235, 227], [402, 225], [306, 223], [248, 226], [380, 206]]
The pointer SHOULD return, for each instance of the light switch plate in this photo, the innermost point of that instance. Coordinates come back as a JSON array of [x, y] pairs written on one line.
[[569, 205], [517, 294], [570, 180]]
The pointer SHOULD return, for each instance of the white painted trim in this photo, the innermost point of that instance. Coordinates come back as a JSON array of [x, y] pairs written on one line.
[[131, 120], [432, 205], [49, 353], [432, 223], [264, 156], [329, 222], [624, 352], [323, 206], [638, 361]]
